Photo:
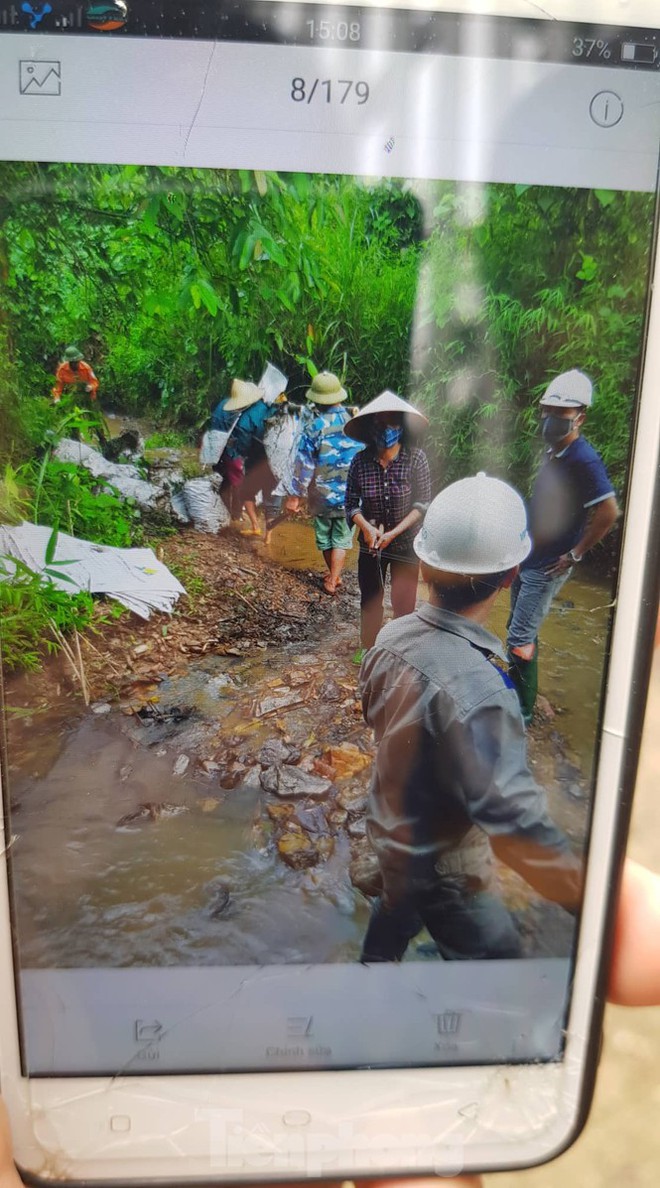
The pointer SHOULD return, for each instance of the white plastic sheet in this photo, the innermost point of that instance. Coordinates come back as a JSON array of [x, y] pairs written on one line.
[[122, 475], [133, 577], [272, 383]]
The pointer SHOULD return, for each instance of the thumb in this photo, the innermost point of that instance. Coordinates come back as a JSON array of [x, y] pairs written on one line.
[[9, 1177]]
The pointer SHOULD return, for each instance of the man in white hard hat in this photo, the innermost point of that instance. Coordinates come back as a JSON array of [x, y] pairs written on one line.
[[572, 508], [451, 784]]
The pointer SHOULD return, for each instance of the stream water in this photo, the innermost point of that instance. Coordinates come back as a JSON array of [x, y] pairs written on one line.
[[202, 883]]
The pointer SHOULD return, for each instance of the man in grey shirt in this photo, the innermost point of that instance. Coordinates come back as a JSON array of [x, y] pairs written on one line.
[[451, 783]]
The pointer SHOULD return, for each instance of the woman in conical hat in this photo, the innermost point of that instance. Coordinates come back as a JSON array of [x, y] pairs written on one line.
[[387, 492]]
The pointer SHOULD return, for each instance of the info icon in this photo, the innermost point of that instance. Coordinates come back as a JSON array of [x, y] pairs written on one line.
[[106, 17]]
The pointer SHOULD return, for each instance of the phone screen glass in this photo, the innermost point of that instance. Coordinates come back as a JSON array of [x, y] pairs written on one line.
[[206, 794]]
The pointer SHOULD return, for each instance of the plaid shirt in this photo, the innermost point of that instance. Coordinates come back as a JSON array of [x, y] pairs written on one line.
[[386, 494]]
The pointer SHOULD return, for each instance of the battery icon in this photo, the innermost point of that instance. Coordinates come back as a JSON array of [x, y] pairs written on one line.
[[636, 51]]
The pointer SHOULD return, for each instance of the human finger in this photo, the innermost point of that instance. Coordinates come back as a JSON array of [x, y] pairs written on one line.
[[9, 1177], [635, 972]]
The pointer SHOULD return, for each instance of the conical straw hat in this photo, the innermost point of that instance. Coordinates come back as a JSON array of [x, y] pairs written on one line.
[[360, 427], [242, 395]]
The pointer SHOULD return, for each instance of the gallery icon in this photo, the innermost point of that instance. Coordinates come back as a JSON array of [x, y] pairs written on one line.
[[40, 78], [106, 17]]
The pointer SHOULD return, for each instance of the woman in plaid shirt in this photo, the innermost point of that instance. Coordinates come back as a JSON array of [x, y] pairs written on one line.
[[387, 492]]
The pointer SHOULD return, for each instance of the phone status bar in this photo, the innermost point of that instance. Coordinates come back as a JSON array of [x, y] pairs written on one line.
[[342, 27]]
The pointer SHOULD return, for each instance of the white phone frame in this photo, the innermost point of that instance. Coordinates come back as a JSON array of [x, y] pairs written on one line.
[[347, 1124]]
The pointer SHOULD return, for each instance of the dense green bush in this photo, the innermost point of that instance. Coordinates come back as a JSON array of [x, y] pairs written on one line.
[[30, 607]]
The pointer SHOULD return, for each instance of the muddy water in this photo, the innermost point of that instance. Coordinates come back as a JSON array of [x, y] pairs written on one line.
[[91, 892], [202, 882]]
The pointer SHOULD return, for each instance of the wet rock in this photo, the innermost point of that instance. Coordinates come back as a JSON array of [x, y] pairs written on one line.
[[181, 765], [357, 828], [279, 812], [152, 811], [210, 767], [364, 871], [324, 769], [125, 447], [269, 780], [219, 898], [100, 707], [233, 775], [153, 724], [313, 820], [337, 818], [329, 690], [207, 804], [275, 751], [543, 709], [291, 781], [347, 760], [271, 705], [353, 800], [297, 850]]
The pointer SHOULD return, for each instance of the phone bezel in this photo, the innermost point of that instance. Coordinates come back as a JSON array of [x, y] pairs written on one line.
[[563, 1089]]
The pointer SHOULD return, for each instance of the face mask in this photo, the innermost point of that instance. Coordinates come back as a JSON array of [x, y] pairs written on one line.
[[554, 429], [387, 436]]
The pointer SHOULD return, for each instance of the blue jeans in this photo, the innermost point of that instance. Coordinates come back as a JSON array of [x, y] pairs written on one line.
[[454, 896], [531, 596], [466, 923]]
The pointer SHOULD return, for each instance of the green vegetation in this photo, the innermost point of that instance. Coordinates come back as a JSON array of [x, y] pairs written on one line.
[[466, 299], [167, 439]]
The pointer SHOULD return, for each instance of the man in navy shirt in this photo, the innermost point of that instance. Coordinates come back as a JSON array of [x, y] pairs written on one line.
[[573, 506]]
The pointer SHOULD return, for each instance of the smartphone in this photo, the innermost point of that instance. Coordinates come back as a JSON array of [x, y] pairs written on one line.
[[455, 204]]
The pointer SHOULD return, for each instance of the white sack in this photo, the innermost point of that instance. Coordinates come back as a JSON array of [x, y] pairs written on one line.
[[204, 506], [281, 446]]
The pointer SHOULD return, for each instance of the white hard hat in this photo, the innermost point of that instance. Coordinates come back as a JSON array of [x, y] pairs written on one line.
[[475, 526], [360, 427], [571, 389]]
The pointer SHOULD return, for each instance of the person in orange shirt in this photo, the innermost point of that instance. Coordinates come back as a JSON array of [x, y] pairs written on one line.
[[74, 371]]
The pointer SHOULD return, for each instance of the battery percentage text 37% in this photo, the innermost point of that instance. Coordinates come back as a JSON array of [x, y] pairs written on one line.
[[591, 47], [329, 90]]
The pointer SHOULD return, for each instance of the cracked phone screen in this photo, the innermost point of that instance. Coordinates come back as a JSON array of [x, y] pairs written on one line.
[[317, 407]]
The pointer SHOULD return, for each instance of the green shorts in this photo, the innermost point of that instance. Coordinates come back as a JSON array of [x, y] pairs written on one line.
[[332, 532]]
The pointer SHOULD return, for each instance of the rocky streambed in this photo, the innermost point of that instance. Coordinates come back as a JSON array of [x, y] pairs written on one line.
[[209, 805]]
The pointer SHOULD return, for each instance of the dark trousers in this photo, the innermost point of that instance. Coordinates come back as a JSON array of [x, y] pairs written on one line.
[[466, 924], [372, 571]]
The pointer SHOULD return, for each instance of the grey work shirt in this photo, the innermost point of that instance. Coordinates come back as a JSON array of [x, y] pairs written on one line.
[[452, 755]]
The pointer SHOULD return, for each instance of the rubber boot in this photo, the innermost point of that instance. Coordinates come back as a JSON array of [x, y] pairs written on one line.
[[524, 674]]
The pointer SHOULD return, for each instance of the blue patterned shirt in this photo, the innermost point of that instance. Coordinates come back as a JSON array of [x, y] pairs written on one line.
[[323, 458]]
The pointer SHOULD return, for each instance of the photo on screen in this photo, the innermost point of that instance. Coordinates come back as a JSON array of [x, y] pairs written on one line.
[[208, 762]]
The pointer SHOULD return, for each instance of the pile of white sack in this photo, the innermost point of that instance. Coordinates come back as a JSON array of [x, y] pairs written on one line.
[[124, 476]]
